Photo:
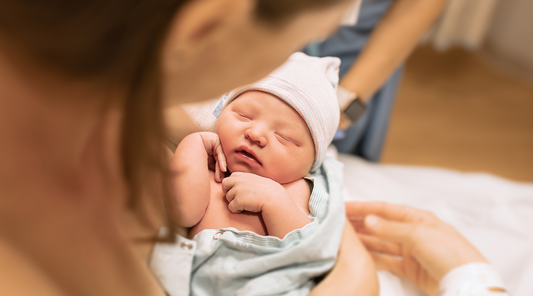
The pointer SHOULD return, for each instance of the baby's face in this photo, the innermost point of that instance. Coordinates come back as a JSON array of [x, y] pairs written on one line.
[[263, 135]]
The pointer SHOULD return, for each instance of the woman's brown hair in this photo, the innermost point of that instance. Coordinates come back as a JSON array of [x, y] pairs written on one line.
[[117, 42]]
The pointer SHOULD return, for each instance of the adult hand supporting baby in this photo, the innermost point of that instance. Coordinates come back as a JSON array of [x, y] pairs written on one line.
[[411, 243]]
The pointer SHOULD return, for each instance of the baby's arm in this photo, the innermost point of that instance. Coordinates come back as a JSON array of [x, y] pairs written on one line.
[[195, 155], [281, 208], [283, 216]]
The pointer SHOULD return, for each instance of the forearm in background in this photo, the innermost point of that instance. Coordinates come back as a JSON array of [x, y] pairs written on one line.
[[391, 42], [354, 272]]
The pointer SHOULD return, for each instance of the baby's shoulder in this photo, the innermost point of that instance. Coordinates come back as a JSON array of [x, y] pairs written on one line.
[[300, 184]]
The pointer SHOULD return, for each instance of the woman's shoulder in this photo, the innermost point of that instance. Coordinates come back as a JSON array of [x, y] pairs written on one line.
[[18, 276]]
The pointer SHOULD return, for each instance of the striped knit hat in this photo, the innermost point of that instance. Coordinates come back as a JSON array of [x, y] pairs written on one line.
[[309, 85]]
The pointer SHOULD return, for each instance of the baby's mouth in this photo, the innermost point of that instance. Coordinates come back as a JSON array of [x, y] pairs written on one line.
[[248, 156]]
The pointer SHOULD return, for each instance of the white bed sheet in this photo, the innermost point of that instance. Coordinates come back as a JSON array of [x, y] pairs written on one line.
[[495, 214]]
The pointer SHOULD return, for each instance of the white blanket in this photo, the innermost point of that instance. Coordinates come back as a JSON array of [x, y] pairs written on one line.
[[495, 214]]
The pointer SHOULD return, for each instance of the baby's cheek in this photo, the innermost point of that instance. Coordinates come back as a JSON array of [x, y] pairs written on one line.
[[224, 142], [306, 160], [287, 172]]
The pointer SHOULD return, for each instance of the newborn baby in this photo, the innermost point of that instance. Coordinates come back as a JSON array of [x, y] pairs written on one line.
[[243, 192], [268, 149]]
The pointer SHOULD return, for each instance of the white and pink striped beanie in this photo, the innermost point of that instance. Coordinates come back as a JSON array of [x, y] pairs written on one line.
[[309, 85]]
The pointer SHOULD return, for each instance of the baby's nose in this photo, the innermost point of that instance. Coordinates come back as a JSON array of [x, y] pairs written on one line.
[[256, 135]]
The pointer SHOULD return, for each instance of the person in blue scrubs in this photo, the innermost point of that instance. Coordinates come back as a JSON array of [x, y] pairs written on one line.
[[372, 53]]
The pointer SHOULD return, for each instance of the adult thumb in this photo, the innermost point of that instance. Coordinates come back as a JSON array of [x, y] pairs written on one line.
[[389, 230]]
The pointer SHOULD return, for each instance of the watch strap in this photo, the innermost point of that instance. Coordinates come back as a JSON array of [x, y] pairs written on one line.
[[352, 108]]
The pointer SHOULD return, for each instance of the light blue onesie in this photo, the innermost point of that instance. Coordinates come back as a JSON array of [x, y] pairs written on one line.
[[231, 262]]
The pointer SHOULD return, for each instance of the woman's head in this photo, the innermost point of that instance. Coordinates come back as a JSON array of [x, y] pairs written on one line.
[[212, 46], [232, 43]]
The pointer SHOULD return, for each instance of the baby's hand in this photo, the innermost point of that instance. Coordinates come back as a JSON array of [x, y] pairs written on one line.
[[250, 192], [216, 158]]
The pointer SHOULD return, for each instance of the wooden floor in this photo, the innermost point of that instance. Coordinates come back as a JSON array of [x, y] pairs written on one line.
[[456, 111]]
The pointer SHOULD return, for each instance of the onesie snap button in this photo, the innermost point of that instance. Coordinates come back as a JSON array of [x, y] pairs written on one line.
[[186, 246], [217, 235]]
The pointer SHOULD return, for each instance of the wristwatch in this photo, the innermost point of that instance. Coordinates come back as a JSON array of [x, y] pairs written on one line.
[[352, 108]]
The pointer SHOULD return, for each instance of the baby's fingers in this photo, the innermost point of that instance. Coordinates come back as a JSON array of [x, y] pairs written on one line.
[[233, 203], [218, 174], [233, 207], [220, 157], [228, 183]]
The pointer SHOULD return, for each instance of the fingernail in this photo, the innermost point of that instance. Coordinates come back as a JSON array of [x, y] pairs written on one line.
[[371, 220]]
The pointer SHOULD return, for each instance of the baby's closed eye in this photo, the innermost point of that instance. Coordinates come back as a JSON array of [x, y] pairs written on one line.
[[287, 139], [242, 115]]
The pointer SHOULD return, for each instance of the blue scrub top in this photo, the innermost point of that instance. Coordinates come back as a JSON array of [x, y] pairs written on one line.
[[366, 137], [348, 41]]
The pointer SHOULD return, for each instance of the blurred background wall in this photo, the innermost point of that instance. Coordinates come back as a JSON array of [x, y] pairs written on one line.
[[509, 41], [466, 98]]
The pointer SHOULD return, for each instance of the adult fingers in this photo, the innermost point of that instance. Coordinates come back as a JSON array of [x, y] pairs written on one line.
[[407, 268], [389, 263], [356, 210], [358, 225], [389, 230], [375, 244]]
